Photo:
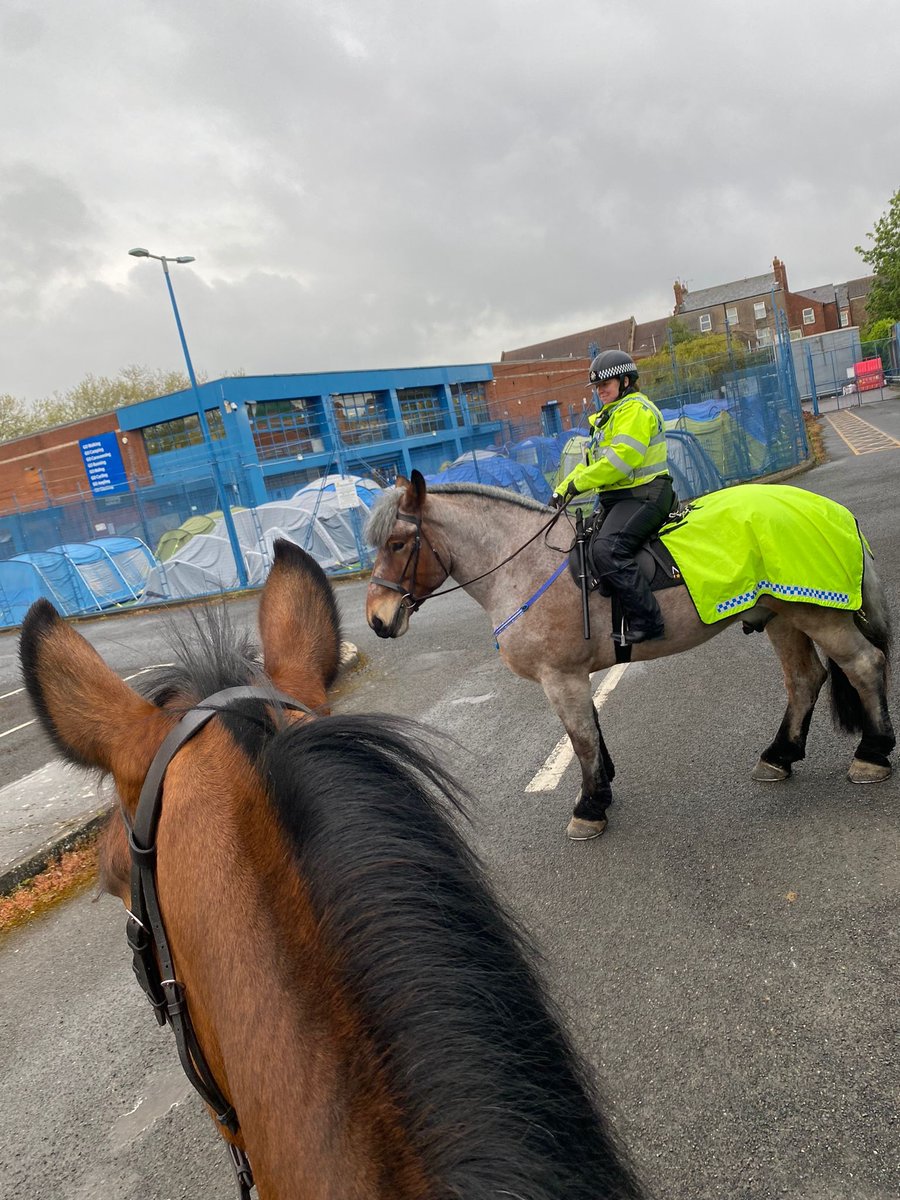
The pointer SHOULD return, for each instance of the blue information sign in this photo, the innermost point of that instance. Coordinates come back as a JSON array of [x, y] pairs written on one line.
[[103, 463]]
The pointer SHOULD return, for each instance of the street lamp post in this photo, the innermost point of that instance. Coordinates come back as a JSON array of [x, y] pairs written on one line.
[[140, 252]]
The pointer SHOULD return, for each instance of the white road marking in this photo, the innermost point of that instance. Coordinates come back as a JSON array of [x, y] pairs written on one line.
[[561, 755]]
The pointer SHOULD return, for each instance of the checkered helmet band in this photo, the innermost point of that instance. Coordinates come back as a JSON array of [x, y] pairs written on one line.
[[624, 367]]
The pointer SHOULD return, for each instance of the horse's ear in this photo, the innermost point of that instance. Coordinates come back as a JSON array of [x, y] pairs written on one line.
[[93, 717], [299, 625], [419, 487]]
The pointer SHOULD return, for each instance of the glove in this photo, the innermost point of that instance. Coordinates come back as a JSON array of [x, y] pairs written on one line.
[[560, 499]]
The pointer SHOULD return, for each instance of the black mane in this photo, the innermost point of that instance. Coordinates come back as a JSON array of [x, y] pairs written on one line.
[[495, 1097]]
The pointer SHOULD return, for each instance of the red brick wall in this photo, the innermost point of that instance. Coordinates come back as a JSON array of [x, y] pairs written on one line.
[[56, 453], [520, 389]]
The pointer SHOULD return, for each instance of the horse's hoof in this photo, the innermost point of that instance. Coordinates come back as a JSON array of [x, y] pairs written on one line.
[[765, 772], [867, 772], [579, 830]]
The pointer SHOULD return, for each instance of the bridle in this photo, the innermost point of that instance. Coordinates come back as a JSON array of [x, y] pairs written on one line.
[[145, 929], [409, 600]]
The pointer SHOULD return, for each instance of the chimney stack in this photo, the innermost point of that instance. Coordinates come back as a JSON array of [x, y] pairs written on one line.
[[680, 293], [780, 273]]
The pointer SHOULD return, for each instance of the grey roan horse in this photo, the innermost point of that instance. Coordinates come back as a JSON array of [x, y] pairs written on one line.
[[463, 531]]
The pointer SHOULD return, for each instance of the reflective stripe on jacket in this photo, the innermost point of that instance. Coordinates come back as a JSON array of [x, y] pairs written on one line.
[[628, 447]]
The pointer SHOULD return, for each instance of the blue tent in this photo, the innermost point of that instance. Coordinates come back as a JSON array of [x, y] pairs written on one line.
[[21, 583], [98, 572], [61, 582], [497, 471]]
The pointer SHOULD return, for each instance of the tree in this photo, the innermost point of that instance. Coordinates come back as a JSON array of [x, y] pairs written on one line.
[[883, 256], [14, 417], [95, 394]]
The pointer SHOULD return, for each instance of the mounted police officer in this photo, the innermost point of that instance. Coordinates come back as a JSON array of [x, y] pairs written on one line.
[[627, 465]]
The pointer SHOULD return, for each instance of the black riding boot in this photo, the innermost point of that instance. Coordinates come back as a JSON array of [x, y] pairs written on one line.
[[630, 520]]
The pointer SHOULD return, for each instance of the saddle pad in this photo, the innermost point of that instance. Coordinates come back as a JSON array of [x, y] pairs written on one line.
[[765, 539]]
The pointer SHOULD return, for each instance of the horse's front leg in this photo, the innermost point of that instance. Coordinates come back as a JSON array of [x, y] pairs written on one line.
[[573, 700]]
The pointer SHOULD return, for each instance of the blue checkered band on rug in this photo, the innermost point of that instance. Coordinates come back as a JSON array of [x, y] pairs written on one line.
[[792, 591]]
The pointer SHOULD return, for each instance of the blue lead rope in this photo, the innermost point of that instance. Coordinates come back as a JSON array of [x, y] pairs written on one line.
[[501, 628]]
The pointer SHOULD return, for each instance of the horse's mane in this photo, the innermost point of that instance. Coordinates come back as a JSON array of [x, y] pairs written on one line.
[[495, 1099], [383, 515]]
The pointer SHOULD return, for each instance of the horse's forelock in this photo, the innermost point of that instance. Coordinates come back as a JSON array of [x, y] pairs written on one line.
[[383, 518]]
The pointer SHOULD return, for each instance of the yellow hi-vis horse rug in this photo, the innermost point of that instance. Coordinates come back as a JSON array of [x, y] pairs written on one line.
[[744, 543]]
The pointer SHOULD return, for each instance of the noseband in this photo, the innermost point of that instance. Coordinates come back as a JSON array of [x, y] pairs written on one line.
[[145, 930], [409, 599]]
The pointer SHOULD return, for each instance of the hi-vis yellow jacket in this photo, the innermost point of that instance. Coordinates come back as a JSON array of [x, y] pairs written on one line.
[[628, 448]]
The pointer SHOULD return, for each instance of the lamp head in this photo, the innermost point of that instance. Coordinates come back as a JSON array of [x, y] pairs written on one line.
[[140, 252], [185, 258]]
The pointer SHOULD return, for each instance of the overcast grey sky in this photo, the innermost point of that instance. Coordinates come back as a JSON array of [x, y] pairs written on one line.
[[374, 183]]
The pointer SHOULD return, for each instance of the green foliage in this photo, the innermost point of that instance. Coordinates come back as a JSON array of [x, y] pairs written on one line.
[[875, 331], [680, 332], [14, 417], [883, 256], [694, 364]]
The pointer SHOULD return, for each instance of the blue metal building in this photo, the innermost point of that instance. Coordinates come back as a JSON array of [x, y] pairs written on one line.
[[274, 433]]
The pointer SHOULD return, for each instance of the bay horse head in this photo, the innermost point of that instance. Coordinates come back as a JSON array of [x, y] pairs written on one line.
[[410, 564], [357, 998]]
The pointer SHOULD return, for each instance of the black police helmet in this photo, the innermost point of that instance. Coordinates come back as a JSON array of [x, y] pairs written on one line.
[[612, 364]]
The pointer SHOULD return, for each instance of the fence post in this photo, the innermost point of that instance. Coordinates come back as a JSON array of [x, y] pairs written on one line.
[[811, 372]]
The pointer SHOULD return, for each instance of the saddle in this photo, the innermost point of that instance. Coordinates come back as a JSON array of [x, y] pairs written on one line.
[[653, 559]]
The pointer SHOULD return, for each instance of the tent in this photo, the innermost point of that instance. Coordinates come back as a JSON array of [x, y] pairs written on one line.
[[21, 583], [98, 572], [173, 539], [131, 558], [324, 488], [497, 471], [313, 519], [64, 586]]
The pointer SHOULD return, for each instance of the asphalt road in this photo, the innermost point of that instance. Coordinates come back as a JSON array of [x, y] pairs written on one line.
[[727, 953]]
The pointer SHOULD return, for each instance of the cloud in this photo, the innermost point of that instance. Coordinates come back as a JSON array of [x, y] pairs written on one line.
[[378, 183]]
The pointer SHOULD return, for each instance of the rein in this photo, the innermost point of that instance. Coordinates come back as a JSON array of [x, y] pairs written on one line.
[[413, 602], [145, 929]]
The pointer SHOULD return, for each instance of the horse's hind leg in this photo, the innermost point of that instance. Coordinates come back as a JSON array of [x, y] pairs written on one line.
[[804, 675], [573, 700], [859, 695]]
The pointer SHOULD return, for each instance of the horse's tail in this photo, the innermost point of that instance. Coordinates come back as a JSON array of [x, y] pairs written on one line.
[[874, 622]]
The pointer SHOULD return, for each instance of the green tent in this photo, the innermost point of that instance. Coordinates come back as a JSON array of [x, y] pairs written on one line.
[[173, 539]]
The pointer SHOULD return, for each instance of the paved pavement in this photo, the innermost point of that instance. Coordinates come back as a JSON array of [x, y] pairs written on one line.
[[57, 808]]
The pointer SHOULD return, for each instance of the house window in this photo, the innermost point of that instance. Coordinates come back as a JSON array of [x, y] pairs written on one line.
[[764, 337], [182, 432], [705, 322], [759, 310], [287, 428], [476, 402], [731, 316], [845, 318], [809, 316], [361, 417], [796, 335], [420, 409]]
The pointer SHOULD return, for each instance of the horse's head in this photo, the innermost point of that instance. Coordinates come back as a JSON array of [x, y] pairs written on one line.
[[97, 720], [408, 567]]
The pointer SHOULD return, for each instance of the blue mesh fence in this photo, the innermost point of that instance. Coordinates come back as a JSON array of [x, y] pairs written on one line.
[[728, 419]]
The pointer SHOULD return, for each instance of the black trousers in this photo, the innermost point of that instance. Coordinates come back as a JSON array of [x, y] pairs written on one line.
[[632, 516]]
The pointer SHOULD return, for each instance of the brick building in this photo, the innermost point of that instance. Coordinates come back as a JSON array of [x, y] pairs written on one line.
[[746, 308]]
